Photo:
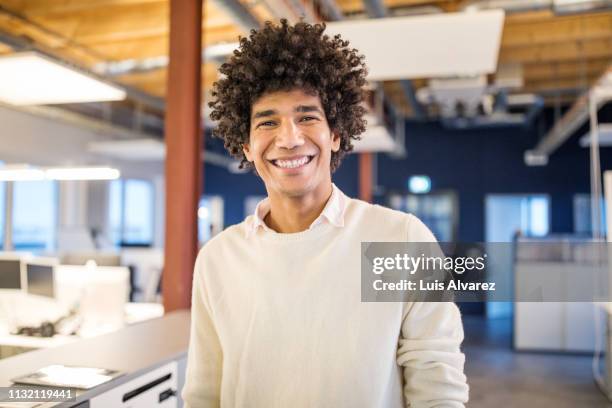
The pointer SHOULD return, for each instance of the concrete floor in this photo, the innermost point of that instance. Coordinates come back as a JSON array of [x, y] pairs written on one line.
[[502, 378]]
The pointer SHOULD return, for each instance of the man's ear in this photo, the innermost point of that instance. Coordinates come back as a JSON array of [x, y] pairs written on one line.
[[247, 152], [335, 145]]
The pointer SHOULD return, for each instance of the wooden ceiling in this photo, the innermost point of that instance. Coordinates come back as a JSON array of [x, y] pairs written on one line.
[[559, 55]]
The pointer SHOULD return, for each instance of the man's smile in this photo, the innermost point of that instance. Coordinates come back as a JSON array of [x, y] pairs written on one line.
[[293, 162]]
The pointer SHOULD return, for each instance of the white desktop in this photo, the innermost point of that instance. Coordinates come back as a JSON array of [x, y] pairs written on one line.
[[98, 292], [57, 304]]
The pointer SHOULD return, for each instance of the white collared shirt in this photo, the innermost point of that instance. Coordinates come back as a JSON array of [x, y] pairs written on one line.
[[333, 212]]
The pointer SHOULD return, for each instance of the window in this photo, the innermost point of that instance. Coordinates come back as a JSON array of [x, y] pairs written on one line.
[[210, 217], [34, 215], [131, 212], [437, 210], [535, 216], [582, 215], [2, 212], [250, 203], [508, 215]]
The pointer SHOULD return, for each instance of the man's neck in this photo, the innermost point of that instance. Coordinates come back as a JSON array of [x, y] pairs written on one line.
[[289, 215]]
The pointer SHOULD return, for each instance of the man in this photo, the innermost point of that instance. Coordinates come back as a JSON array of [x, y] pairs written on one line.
[[277, 318]]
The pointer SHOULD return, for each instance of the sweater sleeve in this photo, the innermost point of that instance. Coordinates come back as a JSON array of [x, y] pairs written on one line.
[[204, 359], [429, 347]]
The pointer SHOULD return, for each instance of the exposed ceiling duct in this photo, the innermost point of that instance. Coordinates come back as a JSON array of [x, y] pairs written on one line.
[[510, 6], [580, 6], [570, 122], [240, 14], [97, 125], [416, 11], [152, 149], [470, 103], [331, 10], [377, 9], [217, 52], [282, 9], [604, 136], [455, 96]]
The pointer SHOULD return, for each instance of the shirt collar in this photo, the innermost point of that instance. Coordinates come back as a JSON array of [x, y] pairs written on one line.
[[333, 213]]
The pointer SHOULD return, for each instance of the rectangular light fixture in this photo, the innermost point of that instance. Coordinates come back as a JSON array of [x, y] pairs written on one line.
[[26, 173], [21, 173], [30, 78], [82, 173], [457, 44]]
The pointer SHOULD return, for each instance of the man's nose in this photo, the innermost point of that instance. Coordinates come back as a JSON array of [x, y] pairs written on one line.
[[289, 136]]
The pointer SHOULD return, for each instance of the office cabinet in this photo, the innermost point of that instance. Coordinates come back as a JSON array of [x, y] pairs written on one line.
[[156, 388], [554, 326]]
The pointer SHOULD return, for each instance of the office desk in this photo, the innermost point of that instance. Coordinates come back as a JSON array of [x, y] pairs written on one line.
[[136, 350], [134, 313]]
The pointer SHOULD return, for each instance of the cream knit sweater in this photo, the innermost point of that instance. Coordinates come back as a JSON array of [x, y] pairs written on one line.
[[277, 322]]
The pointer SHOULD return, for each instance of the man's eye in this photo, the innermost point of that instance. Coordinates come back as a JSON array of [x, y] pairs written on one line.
[[308, 118], [267, 123]]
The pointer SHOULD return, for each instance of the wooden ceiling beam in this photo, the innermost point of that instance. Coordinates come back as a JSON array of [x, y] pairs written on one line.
[[546, 16], [558, 30], [553, 84], [138, 48], [565, 70], [81, 55], [570, 51], [132, 21], [355, 6], [563, 100], [158, 45], [154, 82], [95, 24], [5, 49], [51, 7]]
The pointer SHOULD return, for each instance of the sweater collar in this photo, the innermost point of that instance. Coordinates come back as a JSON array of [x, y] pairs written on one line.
[[333, 213]]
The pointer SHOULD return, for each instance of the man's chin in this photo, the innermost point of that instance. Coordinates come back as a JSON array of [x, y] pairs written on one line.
[[293, 190]]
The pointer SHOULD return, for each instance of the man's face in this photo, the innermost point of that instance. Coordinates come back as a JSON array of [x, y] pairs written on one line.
[[291, 143]]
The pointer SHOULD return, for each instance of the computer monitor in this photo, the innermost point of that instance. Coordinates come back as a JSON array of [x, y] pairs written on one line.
[[40, 279], [10, 274]]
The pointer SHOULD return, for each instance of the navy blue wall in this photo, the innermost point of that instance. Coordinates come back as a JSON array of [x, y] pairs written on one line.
[[478, 162], [471, 162]]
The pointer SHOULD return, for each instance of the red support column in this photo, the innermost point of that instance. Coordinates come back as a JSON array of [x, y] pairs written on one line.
[[365, 177], [184, 169]]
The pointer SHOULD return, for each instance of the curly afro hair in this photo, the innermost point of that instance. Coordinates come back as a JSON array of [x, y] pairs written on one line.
[[281, 58]]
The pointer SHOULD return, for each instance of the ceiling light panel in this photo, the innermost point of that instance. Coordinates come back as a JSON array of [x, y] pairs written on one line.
[[32, 79], [444, 45], [82, 173]]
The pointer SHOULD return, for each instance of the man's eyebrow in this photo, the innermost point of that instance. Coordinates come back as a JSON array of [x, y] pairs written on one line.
[[308, 108], [262, 114]]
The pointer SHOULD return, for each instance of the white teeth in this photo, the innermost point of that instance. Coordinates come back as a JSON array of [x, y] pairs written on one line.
[[291, 164]]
